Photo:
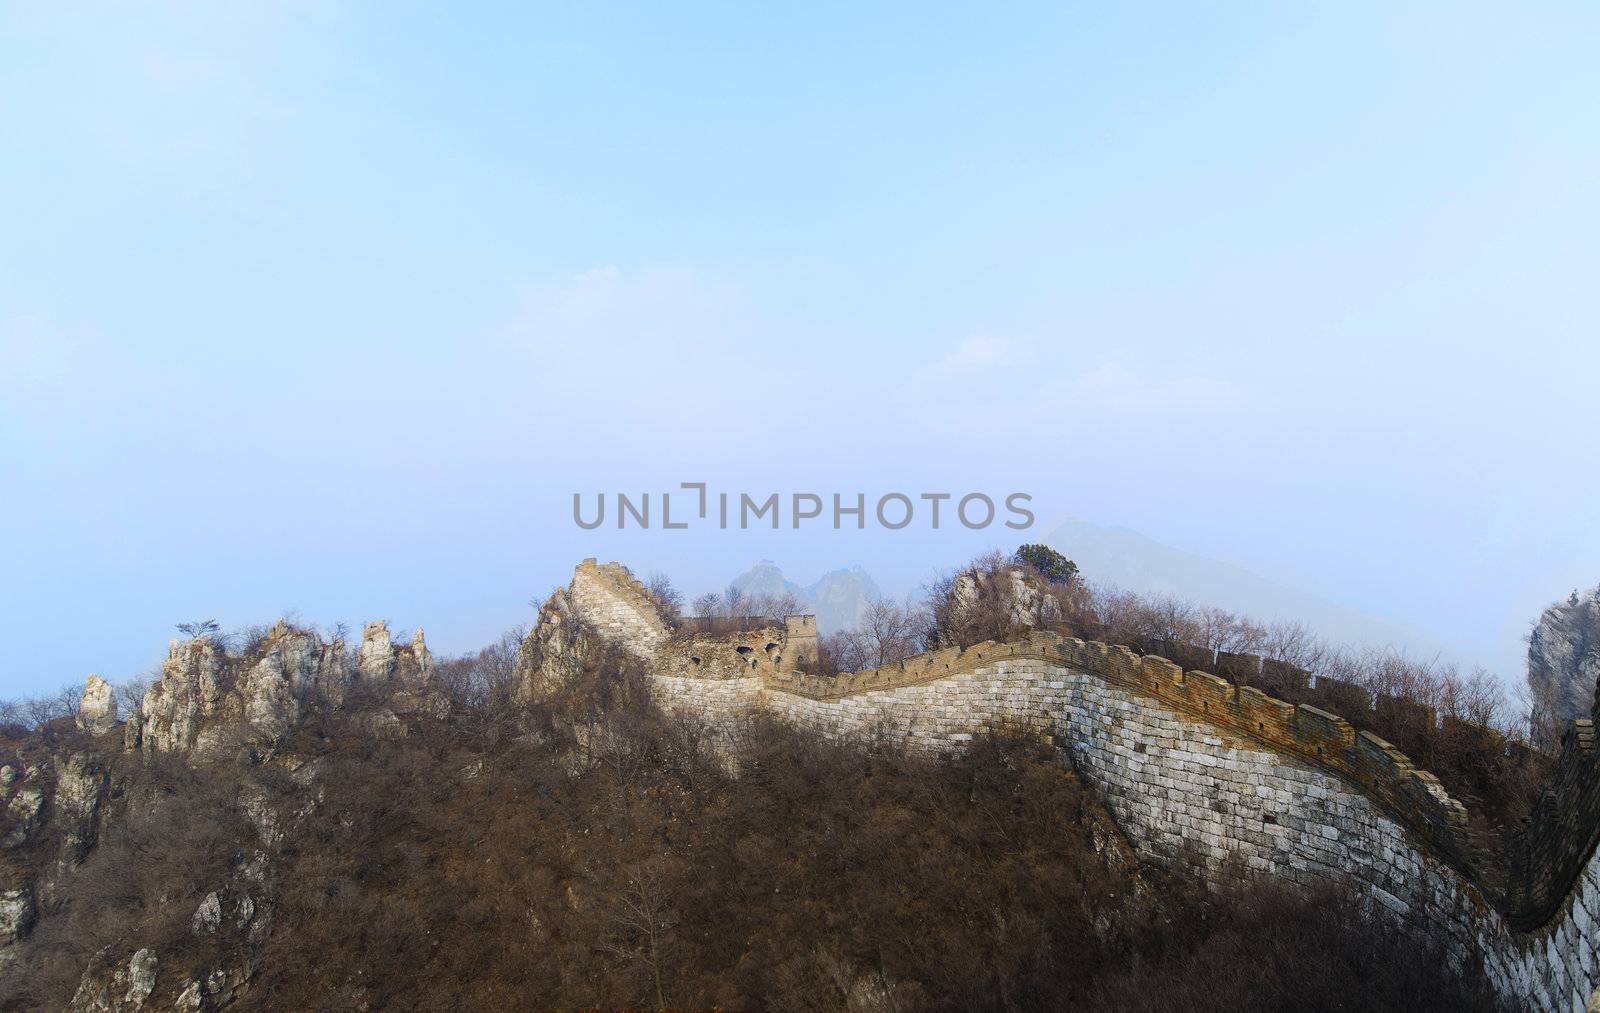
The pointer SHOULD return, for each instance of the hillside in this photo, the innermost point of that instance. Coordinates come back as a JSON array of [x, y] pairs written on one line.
[[590, 851], [632, 810]]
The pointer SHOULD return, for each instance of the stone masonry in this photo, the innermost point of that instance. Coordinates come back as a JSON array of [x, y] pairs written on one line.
[[1199, 771]]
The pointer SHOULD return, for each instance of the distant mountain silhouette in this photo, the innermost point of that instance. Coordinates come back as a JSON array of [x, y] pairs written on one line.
[[1126, 559], [1134, 562], [836, 597]]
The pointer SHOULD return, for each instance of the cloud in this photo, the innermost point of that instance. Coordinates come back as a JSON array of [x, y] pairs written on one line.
[[1115, 387], [643, 312], [987, 365], [976, 355], [674, 358]]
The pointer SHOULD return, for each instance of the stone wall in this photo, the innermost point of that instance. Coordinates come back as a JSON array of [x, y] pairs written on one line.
[[606, 599], [1199, 770], [1190, 790], [1550, 853], [732, 655], [616, 605]]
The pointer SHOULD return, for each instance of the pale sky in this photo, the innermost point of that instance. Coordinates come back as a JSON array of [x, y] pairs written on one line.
[[331, 307]]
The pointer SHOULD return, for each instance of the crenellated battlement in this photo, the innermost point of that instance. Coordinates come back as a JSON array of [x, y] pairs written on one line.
[[1559, 838], [1198, 768], [610, 598], [1414, 796]]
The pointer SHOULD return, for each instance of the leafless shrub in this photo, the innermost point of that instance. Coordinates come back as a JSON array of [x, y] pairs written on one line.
[[130, 692], [777, 607], [666, 597], [736, 603], [38, 711], [708, 606], [487, 677]]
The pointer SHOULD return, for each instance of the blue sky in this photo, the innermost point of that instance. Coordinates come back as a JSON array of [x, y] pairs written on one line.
[[332, 307]]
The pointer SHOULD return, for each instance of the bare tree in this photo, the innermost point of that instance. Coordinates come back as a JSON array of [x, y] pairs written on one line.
[[708, 606], [641, 919], [736, 603], [35, 712], [1221, 630], [842, 651], [199, 628], [667, 597], [888, 632], [778, 606], [487, 676], [130, 693]]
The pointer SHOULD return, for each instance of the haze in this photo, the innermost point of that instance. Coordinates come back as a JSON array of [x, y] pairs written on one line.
[[333, 307]]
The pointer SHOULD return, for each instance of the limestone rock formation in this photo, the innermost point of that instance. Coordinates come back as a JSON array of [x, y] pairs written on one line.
[[189, 689], [189, 998], [211, 702], [16, 915], [550, 655], [97, 710], [24, 815], [208, 916], [421, 658], [1564, 657], [989, 603], [376, 662], [141, 977], [81, 782], [206, 696], [119, 989]]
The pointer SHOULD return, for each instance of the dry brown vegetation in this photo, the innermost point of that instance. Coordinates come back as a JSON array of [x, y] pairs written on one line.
[[1463, 728], [604, 854], [592, 851]]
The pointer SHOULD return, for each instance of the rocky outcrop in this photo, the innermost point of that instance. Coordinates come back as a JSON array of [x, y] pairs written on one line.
[[291, 673], [141, 978], [209, 703], [208, 916], [120, 989], [81, 782], [376, 660], [24, 813], [1564, 657], [984, 603], [417, 666], [190, 688], [552, 653], [380, 661], [17, 912], [97, 710], [207, 697]]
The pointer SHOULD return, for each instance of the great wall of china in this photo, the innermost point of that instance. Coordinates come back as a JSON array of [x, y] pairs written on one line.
[[1194, 768]]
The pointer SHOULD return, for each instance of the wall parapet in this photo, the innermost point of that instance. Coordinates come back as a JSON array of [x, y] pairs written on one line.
[[1559, 838], [1414, 797], [1549, 853], [1203, 766]]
